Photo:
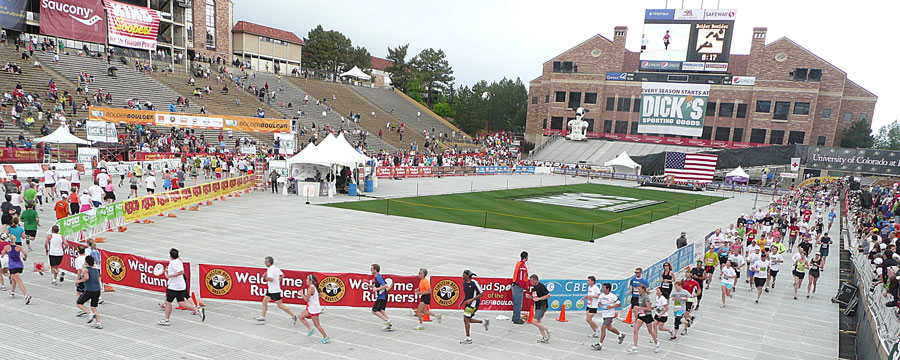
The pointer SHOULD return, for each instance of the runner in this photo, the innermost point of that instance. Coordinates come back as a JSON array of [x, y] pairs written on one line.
[[381, 288], [815, 266], [608, 303], [133, 186], [79, 263], [122, 169], [668, 278], [8, 211], [150, 183], [109, 195], [698, 274], [694, 290], [710, 260], [680, 297], [96, 193], [53, 246], [800, 266], [592, 297], [752, 257], [50, 183], [75, 178], [89, 276], [760, 274], [539, 294], [644, 309], [31, 221], [775, 260], [728, 277], [274, 276], [824, 245], [737, 262], [472, 299], [423, 292], [661, 311], [313, 309], [636, 281], [16, 258], [176, 290]]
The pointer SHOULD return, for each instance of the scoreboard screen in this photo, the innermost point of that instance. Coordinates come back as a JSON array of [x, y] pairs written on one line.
[[687, 39]]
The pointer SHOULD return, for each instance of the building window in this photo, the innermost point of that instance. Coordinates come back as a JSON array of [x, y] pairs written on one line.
[[564, 67], [590, 124], [826, 114], [624, 104], [763, 106], [621, 127], [722, 133], [557, 66], [848, 116], [758, 136], [189, 25], [545, 124], [711, 108], [637, 105], [777, 137], [726, 110], [607, 126], [534, 100], [742, 111], [634, 127], [560, 96], [738, 135], [801, 108], [707, 133], [590, 98], [782, 108], [574, 100], [610, 103], [556, 122], [210, 24], [863, 116], [796, 137], [820, 141], [547, 99]]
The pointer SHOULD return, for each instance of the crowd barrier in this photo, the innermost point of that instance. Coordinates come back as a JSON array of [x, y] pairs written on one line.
[[125, 269]]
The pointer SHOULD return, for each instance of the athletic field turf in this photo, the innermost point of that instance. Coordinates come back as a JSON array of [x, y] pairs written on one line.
[[509, 210]]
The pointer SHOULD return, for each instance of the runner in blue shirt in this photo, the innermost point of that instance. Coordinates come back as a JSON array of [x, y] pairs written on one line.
[[831, 217], [635, 282], [381, 287]]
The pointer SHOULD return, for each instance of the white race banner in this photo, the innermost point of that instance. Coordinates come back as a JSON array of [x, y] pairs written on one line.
[[169, 119], [287, 143], [248, 149], [100, 131], [86, 154]]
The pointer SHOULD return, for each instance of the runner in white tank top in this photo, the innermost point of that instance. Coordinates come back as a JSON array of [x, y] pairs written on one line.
[[313, 308]]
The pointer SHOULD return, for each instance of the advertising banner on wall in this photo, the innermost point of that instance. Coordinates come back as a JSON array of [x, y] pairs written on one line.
[[871, 161], [101, 131], [188, 120], [20, 155], [286, 143], [673, 109], [153, 204], [74, 19], [12, 14], [122, 116], [146, 117], [447, 293], [136, 271], [132, 26], [335, 289]]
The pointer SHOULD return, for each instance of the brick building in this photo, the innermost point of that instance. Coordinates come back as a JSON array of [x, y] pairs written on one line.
[[208, 25], [782, 94], [266, 48]]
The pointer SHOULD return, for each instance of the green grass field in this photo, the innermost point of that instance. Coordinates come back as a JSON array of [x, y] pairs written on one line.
[[500, 210]]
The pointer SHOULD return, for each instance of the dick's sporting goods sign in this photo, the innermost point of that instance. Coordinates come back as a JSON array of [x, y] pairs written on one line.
[[673, 109]]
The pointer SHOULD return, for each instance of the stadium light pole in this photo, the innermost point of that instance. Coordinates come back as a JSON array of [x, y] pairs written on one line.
[[486, 96]]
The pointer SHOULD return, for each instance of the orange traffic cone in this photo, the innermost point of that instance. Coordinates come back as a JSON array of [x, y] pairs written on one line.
[[208, 202], [530, 314], [237, 195], [137, 221], [160, 214], [628, 319], [194, 208], [108, 288], [122, 229], [222, 198], [427, 317], [182, 208], [562, 314], [148, 221], [172, 215], [100, 240]]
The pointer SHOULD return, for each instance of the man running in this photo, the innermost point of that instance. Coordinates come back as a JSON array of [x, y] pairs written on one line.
[[710, 260], [423, 292], [680, 298], [592, 297], [177, 289], [694, 290], [381, 288], [89, 276], [30, 221], [50, 183], [471, 300], [775, 261], [698, 275], [274, 275], [608, 302], [636, 281], [53, 247], [539, 294], [761, 273]]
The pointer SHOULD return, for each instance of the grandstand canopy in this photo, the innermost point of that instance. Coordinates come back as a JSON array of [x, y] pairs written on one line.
[[61, 136], [331, 151], [357, 73], [738, 175], [624, 164]]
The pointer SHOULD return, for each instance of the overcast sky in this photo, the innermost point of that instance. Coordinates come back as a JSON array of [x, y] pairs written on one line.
[[490, 39]]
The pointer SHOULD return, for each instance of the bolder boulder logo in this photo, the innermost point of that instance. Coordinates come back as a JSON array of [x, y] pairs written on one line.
[[332, 289], [218, 282], [445, 292], [115, 268]]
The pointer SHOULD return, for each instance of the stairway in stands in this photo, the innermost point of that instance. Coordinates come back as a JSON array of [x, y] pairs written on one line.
[[411, 114], [313, 113]]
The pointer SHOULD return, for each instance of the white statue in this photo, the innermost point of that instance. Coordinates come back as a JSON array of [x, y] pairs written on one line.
[[578, 127]]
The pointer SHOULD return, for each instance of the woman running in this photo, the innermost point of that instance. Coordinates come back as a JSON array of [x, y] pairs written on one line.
[[800, 266], [668, 278], [90, 277], [313, 309], [133, 184], [815, 265], [644, 308], [728, 277], [661, 308], [17, 257], [424, 294]]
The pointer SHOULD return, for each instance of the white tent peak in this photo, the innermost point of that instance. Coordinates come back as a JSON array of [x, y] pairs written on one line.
[[357, 73], [622, 160], [61, 136], [738, 172]]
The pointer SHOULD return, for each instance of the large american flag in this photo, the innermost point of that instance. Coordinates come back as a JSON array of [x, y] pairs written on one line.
[[691, 167]]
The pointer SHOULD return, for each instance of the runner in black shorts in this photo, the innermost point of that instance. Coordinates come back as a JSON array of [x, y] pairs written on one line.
[[698, 274], [273, 278], [424, 294], [472, 298]]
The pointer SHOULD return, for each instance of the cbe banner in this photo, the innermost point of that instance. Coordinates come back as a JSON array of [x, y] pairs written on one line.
[[153, 204], [335, 289], [447, 293]]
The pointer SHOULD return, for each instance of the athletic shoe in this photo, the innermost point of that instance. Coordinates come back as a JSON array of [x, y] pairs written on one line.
[[621, 338], [295, 318], [593, 335], [486, 323], [684, 332], [518, 322], [767, 289], [757, 301], [773, 285], [795, 298], [440, 318], [101, 301], [807, 296], [310, 332], [62, 276], [202, 313], [420, 327], [53, 281], [163, 322], [673, 337], [543, 340], [548, 334], [27, 299], [325, 340], [656, 350], [98, 326], [672, 333], [91, 318], [633, 349], [597, 346], [465, 341], [12, 294], [3, 288], [81, 313], [260, 319]]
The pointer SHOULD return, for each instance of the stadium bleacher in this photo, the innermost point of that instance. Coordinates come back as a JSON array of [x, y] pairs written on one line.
[[597, 152], [406, 111]]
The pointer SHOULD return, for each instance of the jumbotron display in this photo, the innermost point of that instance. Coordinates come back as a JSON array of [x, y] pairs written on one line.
[[687, 39]]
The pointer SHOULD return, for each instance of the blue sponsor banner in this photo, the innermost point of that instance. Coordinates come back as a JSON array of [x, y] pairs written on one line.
[[616, 76], [525, 169], [569, 293], [12, 14], [659, 14], [491, 170]]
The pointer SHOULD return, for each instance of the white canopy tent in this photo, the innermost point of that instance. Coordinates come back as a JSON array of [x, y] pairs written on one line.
[[738, 175], [357, 73], [624, 165], [61, 136]]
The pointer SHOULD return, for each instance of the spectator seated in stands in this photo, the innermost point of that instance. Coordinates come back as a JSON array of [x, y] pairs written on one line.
[[225, 89], [9, 142], [197, 93], [37, 64], [45, 130], [172, 107], [191, 81], [29, 122], [111, 71]]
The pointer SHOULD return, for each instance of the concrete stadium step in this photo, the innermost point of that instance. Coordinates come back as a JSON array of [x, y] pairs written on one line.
[[407, 111]]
